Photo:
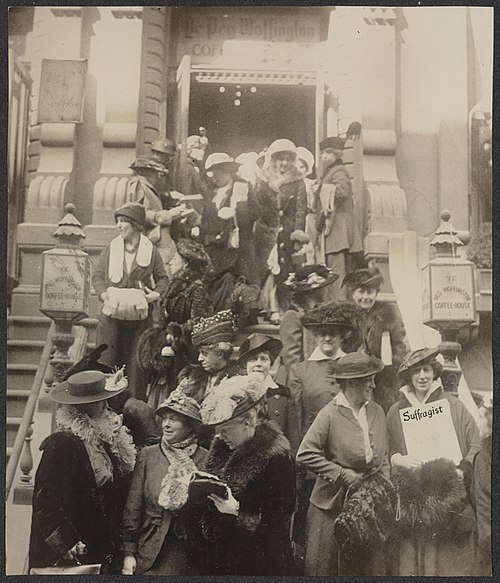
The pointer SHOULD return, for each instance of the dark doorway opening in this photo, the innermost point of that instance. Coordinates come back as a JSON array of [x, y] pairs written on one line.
[[243, 118]]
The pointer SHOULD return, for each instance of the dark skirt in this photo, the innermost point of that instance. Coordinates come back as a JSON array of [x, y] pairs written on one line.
[[323, 556], [173, 558]]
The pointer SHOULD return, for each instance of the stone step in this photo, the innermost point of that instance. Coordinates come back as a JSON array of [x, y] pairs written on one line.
[[21, 376], [28, 327], [16, 402], [24, 351], [12, 424]]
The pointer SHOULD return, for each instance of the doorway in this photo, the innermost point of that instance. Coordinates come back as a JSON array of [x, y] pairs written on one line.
[[248, 117]]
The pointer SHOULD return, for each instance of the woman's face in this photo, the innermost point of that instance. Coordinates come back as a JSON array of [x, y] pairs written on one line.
[[125, 228], [175, 427], [328, 341], [284, 161], [364, 297], [221, 177], [259, 362], [361, 390], [93, 409], [211, 359], [421, 376], [302, 166], [177, 264], [235, 432]]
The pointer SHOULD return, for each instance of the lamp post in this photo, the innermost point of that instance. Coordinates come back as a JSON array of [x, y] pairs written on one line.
[[448, 297], [65, 289]]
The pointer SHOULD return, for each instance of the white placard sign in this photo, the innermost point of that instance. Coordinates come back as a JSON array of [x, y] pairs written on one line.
[[429, 432]]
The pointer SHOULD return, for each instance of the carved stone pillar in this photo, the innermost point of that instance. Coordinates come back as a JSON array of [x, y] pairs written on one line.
[[56, 35]]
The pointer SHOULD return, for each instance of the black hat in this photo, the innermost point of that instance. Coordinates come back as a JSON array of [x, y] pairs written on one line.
[[258, 342], [370, 277], [149, 164], [416, 357], [310, 277], [357, 365], [336, 314], [135, 211], [89, 386], [193, 251], [165, 145], [337, 143]]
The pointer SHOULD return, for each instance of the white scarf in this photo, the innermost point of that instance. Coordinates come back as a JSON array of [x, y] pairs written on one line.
[[117, 256]]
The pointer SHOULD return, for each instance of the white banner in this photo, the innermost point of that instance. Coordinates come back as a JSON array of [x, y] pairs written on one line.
[[429, 432]]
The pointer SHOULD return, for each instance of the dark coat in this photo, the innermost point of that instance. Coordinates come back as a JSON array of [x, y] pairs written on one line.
[[481, 499], [67, 506], [453, 555], [384, 317], [285, 210], [145, 523], [282, 410], [261, 475]]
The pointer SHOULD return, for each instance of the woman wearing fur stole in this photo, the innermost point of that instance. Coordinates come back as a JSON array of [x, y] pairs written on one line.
[[81, 481], [158, 532], [165, 350], [249, 532], [282, 197], [436, 524]]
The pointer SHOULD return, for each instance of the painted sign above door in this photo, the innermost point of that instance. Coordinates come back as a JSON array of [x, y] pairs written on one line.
[[248, 40]]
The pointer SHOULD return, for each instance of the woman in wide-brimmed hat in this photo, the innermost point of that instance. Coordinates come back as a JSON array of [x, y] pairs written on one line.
[[159, 534], [163, 351], [129, 277], [81, 480], [306, 288], [384, 331], [227, 228], [257, 355], [345, 446], [281, 194], [248, 533], [437, 522]]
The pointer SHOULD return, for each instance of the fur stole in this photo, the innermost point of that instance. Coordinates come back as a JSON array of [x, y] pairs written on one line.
[[368, 518], [193, 379], [276, 179], [149, 347], [240, 467], [105, 428], [117, 256], [432, 499]]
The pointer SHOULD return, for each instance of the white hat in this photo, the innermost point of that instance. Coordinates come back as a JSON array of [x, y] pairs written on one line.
[[219, 158], [305, 155], [281, 145], [247, 158]]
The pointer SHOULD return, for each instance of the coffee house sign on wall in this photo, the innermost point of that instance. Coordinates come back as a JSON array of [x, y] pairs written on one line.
[[223, 39]]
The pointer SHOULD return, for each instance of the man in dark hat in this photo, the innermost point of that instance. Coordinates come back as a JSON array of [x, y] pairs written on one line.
[[335, 211]]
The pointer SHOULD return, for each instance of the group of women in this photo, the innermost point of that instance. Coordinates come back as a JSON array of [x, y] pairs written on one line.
[[299, 445]]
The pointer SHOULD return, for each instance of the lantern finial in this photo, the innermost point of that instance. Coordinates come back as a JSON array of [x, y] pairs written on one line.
[[446, 238], [69, 230]]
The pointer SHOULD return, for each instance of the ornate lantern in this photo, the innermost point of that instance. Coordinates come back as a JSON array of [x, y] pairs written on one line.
[[448, 296]]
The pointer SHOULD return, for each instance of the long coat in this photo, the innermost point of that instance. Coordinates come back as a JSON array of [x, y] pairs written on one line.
[[261, 475], [68, 507], [342, 234], [382, 318], [430, 555], [481, 498], [312, 385], [146, 523], [122, 336], [334, 441], [282, 410]]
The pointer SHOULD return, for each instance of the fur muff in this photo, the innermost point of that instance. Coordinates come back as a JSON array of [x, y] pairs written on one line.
[[432, 497], [149, 349], [368, 518]]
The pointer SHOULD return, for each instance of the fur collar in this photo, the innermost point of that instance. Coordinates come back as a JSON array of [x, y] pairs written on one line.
[[97, 430], [244, 465]]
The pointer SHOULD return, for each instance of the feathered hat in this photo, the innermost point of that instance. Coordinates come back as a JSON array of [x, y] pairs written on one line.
[[221, 327], [310, 277], [369, 277], [193, 252], [179, 402], [339, 314], [231, 398]]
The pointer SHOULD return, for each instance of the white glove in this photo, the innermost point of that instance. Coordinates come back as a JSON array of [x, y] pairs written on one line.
[[129, 565], [405, 461]]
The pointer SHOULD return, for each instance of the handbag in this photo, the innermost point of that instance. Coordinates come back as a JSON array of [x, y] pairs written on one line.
[[77, 569], [203, 484]]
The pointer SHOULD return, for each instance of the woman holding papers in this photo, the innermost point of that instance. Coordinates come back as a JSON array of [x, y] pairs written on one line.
[[432, 442]]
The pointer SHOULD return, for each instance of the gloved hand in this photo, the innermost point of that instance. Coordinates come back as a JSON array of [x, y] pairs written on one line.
[[405, 461], [129, 565]]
